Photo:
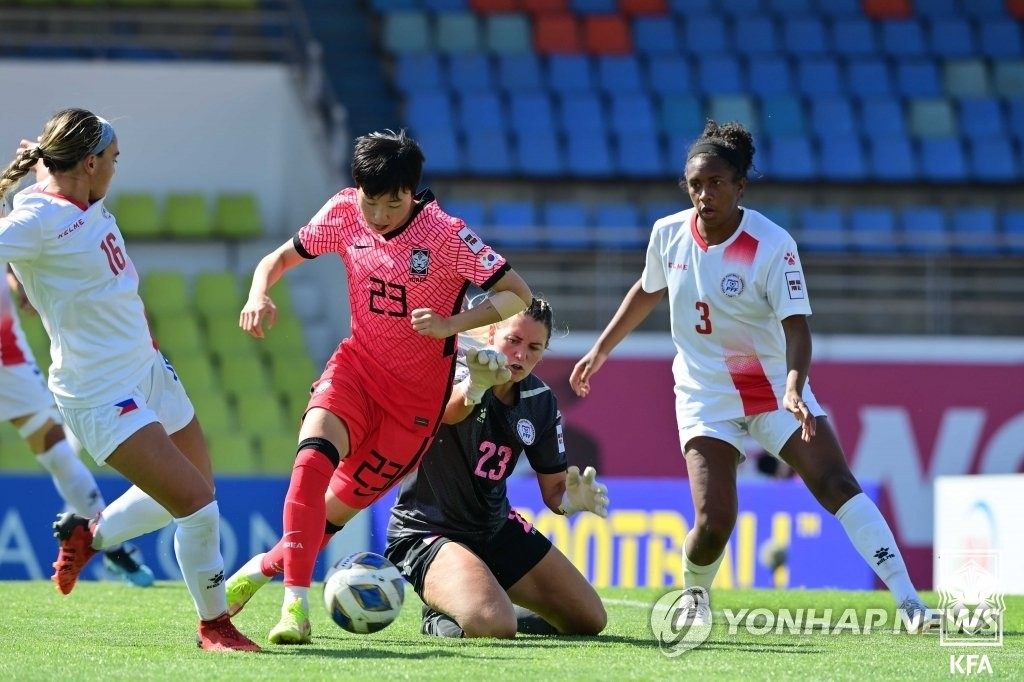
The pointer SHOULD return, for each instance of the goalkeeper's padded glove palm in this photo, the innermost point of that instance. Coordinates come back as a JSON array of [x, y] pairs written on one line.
[[487, 368], [584, 493]]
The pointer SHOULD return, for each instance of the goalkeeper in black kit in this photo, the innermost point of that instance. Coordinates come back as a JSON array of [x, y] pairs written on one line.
[[480, 568]]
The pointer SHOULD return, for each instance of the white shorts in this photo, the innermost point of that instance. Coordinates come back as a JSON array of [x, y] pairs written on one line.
[[770, 429], [23, 392], [159, 398]]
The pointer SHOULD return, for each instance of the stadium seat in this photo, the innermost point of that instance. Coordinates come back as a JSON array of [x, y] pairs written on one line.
[[942, 159], [496, 6], [619, 226], [213, 411], [588, 155], [567, 225], [516, 225], [705, 35], [832, 116], [770, 76], [218, 295], [932, 118], [1015, 118], [842, 158], [539, 8], [1000, 39], [868, 78], [276, 452], [567, 74], [892, 159], [620, 75], [442, 149], [531, 112], [582, 113], [188, 216], [981, 117], [470, 73], [165, 293], [682, 115], [782, 215], [656, 210], [488, 152], [819, 77], [224, 338], [918, 78], [262, 414], [822, 229], [791, 157], [538, 153], [669, 74], [924, 230], [882, 116], [783, 115], [406, 31], [178, 335], [985, 9], [720, 75], [557, 34], [482, 112], [1008, 77], [138, 215], [418, 72], [507, 34], [740, 108], [194, 369], [632, 113], [804, 36], [903, 39], [231, 453], [429, 111], [951, 38], [638, 7], [854, 36], [968, 78], [992, 159], [520, 72], [606, 34], [236, 216], [974, 230], [457, 33], [873, 229], [1013, 230], [656, 35], [756, 36], [286, 337], [243, 374], [936, 9], [293, 374]]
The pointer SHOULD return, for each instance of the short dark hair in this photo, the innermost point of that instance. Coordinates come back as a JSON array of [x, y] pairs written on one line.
[[386, 162], [736, 139]]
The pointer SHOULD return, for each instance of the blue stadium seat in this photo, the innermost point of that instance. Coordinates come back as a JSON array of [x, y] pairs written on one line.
[[482, 112], [632, 113], [819, 77], [538, 153], [882, 116], [832, 116], [740, 8], [445, 5], [951, 37], [507, 34], [783, 115], [967, 78], [1015, 118], [924, 229], [531, 112], [769, 76], [903, 38], [582, 113], [656, 35], [382, 6], [873, 229], [936, 9], [720, 75], [840, 9], [669, 74], [619, 226], [656, 210], [419, 72], [791, 158], [1013, 230], [823, 229], [918, 78], [932, 118], [974, 230], [1000, 39], [640, 155], [854, 36], [457, 33], [517, 72], [619, 74], [842, 158], [472, 212], [942, 159], [981, 117], [567, 225], [705, 35], [984, 9], [429, 111], [1008, 77], [782, 215], [468, 73], [868, 77], [406, 31], [892, 158], [682, 115], [570, 74], [513, 214], [726, 108], [790, 7], [805, 36], [441, 146], [588, 155], [592, 6], [756, 36], [487, 152], [992, 159]]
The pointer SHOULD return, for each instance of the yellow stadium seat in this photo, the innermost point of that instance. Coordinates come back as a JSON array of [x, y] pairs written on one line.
[[188, 216], [197, 373], [165, 293], [218, 295], [138, 216], [178, 335], [232, 453], [244, 375], [260, 413], [237, 216], [277, 452], [214, 412]]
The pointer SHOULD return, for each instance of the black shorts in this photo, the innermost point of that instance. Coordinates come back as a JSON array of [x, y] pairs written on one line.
[[510, 554]]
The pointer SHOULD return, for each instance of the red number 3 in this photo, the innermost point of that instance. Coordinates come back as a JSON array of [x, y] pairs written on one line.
[[705, 318], [115, 256]]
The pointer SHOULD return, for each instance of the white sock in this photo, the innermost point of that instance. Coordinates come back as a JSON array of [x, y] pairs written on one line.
[[291, 593], [133, 514], [197, 546], [695, 575], [252, 569], [871, 536], [72, 478]]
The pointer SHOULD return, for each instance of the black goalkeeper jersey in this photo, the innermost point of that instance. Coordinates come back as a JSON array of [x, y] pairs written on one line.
[[459, 490]]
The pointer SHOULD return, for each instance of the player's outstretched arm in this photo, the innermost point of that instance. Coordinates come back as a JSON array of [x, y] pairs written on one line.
[[260, 307]]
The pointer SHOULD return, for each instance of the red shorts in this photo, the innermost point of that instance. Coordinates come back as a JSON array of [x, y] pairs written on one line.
[[381, 450]]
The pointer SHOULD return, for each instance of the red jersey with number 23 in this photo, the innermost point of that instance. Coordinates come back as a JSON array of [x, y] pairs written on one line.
[[428, 263]]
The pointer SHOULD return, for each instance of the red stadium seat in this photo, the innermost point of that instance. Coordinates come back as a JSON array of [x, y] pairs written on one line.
[[537, 7], [557, 34], [888, 9], [1015, 8], [607, 34], [635, 7], [492, 6]]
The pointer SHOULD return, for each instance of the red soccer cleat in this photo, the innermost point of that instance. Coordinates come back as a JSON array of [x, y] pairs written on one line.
[[220, 634], [75, 537]]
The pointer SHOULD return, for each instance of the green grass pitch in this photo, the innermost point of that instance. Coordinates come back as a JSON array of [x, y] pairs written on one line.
[[110, 631]]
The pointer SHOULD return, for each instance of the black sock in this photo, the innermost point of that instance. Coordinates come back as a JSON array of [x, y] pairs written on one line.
[[529, 623]]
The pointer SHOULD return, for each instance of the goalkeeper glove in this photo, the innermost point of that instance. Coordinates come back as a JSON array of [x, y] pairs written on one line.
[[487, 368], [584, 493]]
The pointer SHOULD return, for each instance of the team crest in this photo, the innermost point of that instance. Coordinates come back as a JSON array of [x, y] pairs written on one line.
[[732, 285], [419, 263], [322, 386], [527, 432]]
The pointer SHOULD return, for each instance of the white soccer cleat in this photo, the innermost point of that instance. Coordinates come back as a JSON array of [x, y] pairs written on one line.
[[918, 618], [694, 609]]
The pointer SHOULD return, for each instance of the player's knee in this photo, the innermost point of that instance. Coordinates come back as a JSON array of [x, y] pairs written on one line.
[[591, 621], [495, 621], [834, 490], [714, 530]]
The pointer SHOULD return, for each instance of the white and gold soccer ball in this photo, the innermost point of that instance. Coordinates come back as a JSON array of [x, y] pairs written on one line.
[[364, 592]]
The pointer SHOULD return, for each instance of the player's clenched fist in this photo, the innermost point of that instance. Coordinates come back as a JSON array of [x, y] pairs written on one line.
[[428, 323]]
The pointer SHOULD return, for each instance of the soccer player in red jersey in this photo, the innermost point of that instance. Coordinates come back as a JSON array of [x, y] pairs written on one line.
[[375, 409]]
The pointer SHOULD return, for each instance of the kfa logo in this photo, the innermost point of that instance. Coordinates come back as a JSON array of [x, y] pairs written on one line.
[[970, 599], [419, 263]]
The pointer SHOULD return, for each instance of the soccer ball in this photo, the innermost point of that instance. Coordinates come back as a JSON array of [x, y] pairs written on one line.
[[364, 592]]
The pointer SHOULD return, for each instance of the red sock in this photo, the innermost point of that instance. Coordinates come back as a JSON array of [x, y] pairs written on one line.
[[273, 561], [305, 513]]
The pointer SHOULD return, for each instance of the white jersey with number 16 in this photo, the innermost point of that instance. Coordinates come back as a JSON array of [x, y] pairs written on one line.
[[726, 304]]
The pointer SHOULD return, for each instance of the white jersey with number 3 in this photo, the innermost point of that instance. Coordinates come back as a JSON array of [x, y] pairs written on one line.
[[726, 304], [72, 262]]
